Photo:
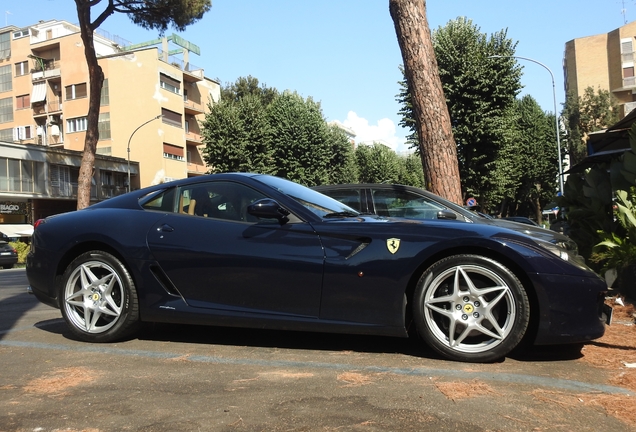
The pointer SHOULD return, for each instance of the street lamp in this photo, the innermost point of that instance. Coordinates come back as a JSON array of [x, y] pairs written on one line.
[[556, 117], [128, 149]]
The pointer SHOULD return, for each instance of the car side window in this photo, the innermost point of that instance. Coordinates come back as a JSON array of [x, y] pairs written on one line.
[[403, 203], [349, 197], [219, 200], [160, 201]]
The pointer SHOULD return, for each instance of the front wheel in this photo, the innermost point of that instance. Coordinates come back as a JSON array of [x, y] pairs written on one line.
[[471, 308], [98, 298]]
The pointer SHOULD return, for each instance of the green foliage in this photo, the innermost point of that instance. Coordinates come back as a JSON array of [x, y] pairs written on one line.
[[412, 173], [377, 163], [506, 147], [343, 167], [532, 165], [479, 93], [245, 86], [257, 129], [299, 139], [590, 112], [22, 249], [588, 200], [236, 135], [617, 249], [407, 119], [159, 14]]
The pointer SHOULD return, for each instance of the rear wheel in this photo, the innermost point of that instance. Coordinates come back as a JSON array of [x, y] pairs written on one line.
[[471, 308], [98, 298]]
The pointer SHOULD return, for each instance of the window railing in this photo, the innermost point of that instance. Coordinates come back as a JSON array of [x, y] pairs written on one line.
[[193, 105], [69, 190], [21, 185], [194, 137], [46, 66], [110, 191]]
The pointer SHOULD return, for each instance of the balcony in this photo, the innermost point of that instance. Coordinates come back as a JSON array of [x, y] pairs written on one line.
[[54, 107], [45, 69], [193, 138], [64, 189], [110, 191], [196, 169], [193, 108]]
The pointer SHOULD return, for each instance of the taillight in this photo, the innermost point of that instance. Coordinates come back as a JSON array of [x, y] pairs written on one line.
[[38, 222]]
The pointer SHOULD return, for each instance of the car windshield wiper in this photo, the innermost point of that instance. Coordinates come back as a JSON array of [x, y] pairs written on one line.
[[341, 214]]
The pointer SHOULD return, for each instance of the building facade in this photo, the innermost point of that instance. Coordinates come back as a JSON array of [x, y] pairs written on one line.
[[38, 181], [152, 102], [604, 61]]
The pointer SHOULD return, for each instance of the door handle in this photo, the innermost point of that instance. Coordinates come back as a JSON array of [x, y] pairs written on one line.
[[165, 228]]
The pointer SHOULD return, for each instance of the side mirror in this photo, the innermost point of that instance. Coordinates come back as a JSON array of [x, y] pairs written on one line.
[[269, 209], [446, 214]]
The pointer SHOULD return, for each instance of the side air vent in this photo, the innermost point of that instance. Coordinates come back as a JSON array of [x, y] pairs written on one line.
[[165, 281]]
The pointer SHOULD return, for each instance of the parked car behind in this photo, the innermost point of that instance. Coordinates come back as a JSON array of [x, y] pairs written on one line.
[[8, 255], [392, 200], [521, 219]]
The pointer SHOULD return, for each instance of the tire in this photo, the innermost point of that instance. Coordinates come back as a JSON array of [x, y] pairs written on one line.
[[471, 308], [98, 298], [7, 266]]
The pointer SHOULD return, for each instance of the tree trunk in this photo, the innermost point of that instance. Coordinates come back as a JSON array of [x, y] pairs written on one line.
[[538, 211], [437, 145], [96, 79]]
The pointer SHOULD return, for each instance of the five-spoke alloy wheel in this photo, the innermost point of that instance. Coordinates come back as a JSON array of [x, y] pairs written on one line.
[[471, 308], [98, 298]]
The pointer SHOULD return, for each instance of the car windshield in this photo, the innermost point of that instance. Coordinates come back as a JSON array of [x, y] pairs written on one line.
[[319, 204]]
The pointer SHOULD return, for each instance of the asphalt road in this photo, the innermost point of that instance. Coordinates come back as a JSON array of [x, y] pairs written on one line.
[[185, 378]]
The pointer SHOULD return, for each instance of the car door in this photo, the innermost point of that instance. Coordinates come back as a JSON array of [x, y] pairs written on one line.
[[220, 257]]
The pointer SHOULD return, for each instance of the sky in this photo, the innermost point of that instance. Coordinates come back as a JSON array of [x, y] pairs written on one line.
[[344, 53]]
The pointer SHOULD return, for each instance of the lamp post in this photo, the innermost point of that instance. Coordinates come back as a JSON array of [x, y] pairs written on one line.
[[128, 148], [556, 117]]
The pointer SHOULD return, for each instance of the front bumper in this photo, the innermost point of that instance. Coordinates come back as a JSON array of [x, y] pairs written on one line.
[[572, 309]]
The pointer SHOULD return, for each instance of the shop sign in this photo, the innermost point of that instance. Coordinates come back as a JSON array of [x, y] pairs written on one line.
[[15, 208]]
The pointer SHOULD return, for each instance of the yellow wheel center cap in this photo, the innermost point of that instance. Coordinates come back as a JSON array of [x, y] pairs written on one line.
[[468, 308], [95, 297]]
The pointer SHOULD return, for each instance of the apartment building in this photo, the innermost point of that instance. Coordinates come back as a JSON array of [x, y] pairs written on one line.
[[152, 102], [604, 61]]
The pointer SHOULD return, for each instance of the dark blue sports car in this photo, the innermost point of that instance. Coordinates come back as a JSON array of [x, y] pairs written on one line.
[[254, 250]]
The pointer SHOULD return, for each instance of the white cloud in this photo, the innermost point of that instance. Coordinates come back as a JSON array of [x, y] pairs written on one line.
[[383, 131]]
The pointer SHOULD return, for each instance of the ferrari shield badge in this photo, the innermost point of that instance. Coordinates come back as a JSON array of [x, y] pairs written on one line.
[[393, 244]]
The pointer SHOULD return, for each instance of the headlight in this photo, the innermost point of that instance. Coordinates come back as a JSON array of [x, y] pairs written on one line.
[[558, 251]]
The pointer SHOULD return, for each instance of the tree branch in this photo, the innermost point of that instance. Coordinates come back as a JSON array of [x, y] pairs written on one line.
[[110, 9]]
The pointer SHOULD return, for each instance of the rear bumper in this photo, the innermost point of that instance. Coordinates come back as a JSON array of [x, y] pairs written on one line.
[[8, 260], [43, 297], [42, 280]]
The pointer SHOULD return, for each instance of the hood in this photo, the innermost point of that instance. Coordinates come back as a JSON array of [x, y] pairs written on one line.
[[537, 232]]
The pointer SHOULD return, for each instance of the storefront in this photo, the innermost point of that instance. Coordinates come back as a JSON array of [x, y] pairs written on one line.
[[14, 219]]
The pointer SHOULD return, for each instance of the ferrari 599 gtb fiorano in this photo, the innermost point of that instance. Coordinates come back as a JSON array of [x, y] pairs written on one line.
[[251, 250]]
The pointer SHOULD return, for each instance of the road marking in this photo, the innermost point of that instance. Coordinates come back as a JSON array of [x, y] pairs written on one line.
[[534, 381]]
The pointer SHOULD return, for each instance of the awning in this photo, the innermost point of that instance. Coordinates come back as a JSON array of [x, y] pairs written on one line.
[[16, 230], [39, 92]]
